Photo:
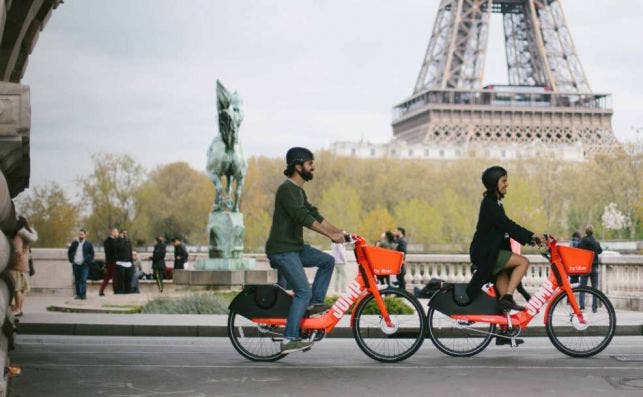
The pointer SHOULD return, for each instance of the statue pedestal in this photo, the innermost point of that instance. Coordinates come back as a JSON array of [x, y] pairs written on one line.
[[225, 264], [226, 235]]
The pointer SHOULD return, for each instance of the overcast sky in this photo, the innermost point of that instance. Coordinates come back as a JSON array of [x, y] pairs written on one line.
[[138, 77]]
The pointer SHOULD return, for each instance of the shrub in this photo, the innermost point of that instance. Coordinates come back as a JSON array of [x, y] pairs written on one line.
[[195, 303]]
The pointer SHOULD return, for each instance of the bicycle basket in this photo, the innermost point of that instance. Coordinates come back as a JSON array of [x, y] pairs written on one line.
[[384, 261], [576, 260]]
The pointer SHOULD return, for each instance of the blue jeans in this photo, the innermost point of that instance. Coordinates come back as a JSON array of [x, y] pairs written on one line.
[[291, 267], [80, 279], [593, 276]]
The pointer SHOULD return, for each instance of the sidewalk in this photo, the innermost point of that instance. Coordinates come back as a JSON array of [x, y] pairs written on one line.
[[96, 321]]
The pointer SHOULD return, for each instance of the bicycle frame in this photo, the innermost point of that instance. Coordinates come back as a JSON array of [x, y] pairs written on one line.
[[358, 289], [557, 283]]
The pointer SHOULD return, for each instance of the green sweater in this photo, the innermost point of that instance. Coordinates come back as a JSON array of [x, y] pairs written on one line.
[[292, 213]]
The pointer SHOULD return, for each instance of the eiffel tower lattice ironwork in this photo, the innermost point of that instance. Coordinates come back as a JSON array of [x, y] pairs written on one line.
[[548, 101]]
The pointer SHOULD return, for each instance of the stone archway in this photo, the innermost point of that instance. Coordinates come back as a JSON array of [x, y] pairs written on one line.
[[20, 24]]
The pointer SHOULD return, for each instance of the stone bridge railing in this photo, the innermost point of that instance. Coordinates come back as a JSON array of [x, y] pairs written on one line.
[[621, 276]]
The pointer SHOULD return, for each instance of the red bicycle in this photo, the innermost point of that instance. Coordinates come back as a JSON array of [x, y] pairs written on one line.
[[388, 325], [463, 331]]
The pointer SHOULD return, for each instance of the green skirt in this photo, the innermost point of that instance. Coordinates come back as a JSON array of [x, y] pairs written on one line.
[[501, 262]]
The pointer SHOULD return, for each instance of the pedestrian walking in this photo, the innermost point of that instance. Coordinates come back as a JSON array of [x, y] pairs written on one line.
[[81, 255], [19, 266], [109, 245], [158, 262]]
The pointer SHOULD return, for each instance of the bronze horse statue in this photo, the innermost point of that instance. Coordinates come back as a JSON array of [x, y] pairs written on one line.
[[225, 156]]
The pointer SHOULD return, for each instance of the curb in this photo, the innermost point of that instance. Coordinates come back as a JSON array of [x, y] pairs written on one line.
[[213, 330]]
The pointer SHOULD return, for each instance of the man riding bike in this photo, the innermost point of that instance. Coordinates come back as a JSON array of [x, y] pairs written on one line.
[[288, 253]]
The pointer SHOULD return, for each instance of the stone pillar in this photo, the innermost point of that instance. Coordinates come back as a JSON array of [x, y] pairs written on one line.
[[7, 330]]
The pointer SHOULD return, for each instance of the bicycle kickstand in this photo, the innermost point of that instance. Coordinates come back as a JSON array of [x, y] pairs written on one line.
[[509, 328]]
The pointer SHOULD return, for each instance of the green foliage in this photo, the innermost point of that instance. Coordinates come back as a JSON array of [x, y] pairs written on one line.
[[52, 214], [174, 201], [394, 305], [436, 201], [109, 193], [195, 303]]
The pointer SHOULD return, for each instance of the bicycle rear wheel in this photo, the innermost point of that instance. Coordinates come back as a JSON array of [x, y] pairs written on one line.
[[574, 338], [254, 341], [390, 344], [458, 338]]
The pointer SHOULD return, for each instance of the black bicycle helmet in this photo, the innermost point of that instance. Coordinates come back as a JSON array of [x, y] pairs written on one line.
[[298, 155], [490, 177]]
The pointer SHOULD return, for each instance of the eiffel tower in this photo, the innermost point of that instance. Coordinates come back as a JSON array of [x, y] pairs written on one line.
[[548, 106]]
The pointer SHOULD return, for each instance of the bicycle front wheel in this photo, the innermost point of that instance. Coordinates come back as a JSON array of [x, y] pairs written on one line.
[[577, 339], [254, 341], [395, 343], [458, 338]]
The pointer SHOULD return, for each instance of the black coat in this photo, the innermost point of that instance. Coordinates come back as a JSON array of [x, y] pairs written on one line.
[[110, 250], [489, 239], [158, 257], [589, 243], [88, 252], [123, 250], [180, 256]]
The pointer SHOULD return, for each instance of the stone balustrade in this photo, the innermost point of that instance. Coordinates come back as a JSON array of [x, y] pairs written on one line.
[[621, 276]]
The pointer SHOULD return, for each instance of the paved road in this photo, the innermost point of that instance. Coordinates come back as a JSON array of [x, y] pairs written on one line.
[[192, 367]]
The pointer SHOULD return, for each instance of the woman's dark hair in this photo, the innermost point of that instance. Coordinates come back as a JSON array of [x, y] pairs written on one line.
[[576, 234], [390, 237]]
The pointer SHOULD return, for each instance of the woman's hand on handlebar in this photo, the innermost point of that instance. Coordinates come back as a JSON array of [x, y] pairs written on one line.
[[538, 239]]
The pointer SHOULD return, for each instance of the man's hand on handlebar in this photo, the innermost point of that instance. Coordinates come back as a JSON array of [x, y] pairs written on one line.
[[337, 237]]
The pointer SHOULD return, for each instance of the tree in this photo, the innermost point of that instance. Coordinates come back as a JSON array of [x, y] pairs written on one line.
[[423, 223], [109, 192], [175, 201], [51, 213], [458, 217], [341, 204], [375, 223]]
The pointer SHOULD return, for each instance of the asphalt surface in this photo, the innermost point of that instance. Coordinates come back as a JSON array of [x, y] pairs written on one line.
[[193, 367]]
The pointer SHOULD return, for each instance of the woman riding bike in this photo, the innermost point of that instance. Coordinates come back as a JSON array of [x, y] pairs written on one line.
[[490, 250]]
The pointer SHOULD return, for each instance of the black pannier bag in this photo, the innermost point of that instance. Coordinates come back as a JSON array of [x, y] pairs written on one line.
[[262, 301]]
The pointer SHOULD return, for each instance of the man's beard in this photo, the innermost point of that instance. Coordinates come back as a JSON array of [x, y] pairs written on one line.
[[306, 175]]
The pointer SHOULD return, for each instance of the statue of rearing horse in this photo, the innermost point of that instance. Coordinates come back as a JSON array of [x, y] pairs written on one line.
[[225, 156]]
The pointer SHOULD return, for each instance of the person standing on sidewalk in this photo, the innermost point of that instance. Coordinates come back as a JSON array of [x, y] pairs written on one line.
[[158, 262], [591, 244], [19, 267], [123, 278], [80, 255], [180, 254], [110, 261], [400, 235], [288, 253]]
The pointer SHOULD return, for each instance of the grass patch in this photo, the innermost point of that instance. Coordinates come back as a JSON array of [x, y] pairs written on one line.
[[194, 303]]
